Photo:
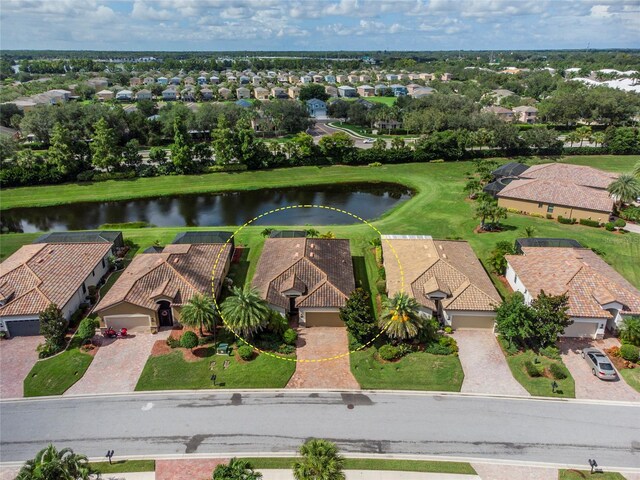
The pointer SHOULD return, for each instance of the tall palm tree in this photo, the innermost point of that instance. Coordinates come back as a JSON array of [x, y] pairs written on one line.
[[236, 470], [636, 170], [199, 312], [401, 317], [51, 464], [245, 311], [320, 461], [625, 189]]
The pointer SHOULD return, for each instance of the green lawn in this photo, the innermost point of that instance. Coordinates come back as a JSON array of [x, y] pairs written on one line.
[[582, 474], [54, 376], [172, 372], [540, 386], [373, 464], [416, 371], [632, 377], [124, 466], [388, 101]]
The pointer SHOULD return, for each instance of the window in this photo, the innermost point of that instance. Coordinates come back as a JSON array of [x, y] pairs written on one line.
[[93, 274], [515, 278], [103, 263], [550, 209], [539, 204], [84, 288]]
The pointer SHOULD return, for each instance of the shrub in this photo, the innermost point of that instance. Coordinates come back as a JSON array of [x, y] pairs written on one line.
[[509, 348], [548, 215], [286, 349], [381, 286], [389, 352], [290, 336], [48, 349], [439, 160], [550, 352], [566, 221], [245, 352], [449, 342], [513, 210], [87, 329], [448, 329], [375, 164], [630, 352], [589, 223], [405, 349], [173, 342], [532, 370], [631, 213], [609, 227], [557, 371], [620, 223], [437, 349], [204, 340], [189, 340]]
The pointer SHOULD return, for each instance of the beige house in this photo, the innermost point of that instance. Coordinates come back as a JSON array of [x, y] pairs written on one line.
[[526, 114], [224, 93], [157, 283], [242, 92], [366, 91], [294, 92], [331, 90], [444, 276], [342, 78], [261, 93], [104, 95], [502, 113], [599, 297], [308, 277]]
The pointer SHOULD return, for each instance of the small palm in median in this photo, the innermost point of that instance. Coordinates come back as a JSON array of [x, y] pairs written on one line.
[[236, 470], [401, 318], [199, 312], [320, 461], [245, 311], [51, 464]]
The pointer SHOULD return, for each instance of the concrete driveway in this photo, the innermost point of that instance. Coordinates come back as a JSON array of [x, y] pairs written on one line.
[[588, 386], [17, 356], [315, 367], [485, 368], [117, 365]]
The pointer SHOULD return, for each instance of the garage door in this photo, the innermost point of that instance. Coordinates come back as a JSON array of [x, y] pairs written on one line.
[[472, 321], [323, 319], [133, 323], [23, 328], [582, 329]]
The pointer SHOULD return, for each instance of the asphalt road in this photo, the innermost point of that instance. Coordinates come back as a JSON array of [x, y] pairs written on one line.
[[451, 425]]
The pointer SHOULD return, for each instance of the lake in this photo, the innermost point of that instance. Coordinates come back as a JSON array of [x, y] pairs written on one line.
[[368, 201]]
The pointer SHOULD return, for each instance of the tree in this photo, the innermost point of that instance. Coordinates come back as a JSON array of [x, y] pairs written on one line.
[[158, 155], [337, 147], [320, 461], [472, 187], [572, 137], [7, 111], [287, 116], [8, 147], [87, 329], [357, 317], [530, 231], [266, 232], [236, 469], [515, 319], [181, 153], [199, 312], [636, 170], [551, 318], [245, 311], [51, 464], [583, 133], [104, 149], [53, 326], [379, 144], [313, 90], [484, 209], [497, 260], [543, 140], [622, 140], [401, 317], [630, 330], [131, 154], [625, 189], [60, 152], [398, 143], [311, 233], [598, 138], [303, 149]]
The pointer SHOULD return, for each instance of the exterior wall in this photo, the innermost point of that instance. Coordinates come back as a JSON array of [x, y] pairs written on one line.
[[126, 308], [527, 206], [516, 283], [469, 319], [303, 312]]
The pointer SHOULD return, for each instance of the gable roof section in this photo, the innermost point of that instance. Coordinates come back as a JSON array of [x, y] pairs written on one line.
[[576, 174]]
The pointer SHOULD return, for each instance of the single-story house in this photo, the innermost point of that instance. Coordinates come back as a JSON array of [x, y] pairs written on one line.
[[330, 78], [446, 77], [308, 277], [342, 79], [124, 95], [318, 79], [144, 95], [444, 276], [40, 274], [599, 297], [163, 80], [317, 108], [202, 80], [347, 91], [112, 237], [104, 95], [175, 81], [366, 91], [381, 90], [151, 291], [135, 81], [526, 114], [214, 80], [392, 77]]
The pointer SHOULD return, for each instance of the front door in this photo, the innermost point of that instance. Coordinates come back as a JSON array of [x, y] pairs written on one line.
[[165, 315], [293, 310]]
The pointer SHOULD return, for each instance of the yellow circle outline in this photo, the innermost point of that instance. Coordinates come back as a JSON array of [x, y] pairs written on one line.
[[289, 207]]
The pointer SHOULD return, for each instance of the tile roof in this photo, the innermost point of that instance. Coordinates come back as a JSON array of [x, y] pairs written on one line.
[[429, 266], [558, 192], [44, 273], [177, 273], [576, 174], [320, 268], [588, 280]]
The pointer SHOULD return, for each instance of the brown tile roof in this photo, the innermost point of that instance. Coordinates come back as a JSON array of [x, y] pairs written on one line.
[[576, 174], [40, 274], [318, 267], [431, 265], [555, 192], [178, 273], [588, 280]]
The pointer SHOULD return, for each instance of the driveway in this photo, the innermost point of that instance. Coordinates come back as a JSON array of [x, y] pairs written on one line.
[[315, 367], [117, 365], [485, 368], [17, 356], [588, 386]]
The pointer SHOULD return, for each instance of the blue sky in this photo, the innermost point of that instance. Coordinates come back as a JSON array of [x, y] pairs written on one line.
[[212, 25]]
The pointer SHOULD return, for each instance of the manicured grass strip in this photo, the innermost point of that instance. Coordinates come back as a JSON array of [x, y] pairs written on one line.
[[374, 464], [632, 377], [125, 466], [10, 242], [54, 376], [171, 371], [416, 371], [582, 474], [540, 386]]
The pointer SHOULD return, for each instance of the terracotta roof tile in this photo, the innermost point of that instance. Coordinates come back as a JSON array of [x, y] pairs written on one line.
[[576, 174]]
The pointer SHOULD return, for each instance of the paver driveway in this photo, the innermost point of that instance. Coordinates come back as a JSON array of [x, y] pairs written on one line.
[[321, 343], [17, 357], [117, 365], [485, 368], [588, 386]]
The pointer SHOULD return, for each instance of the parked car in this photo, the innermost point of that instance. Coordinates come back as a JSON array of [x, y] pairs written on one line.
[[367, 140], [600, 364]]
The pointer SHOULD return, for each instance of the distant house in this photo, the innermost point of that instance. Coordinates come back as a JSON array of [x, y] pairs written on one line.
[[317, 108], [206, 93], [381, 90], [224, 93], [330, 78], [244, 80], [169, 95], [364, 78], [502, 113], [526, 114], [306, 79], [202, 80], [347, 91], [144, 95], [412, 87], [214, 80], [446, 77], [387, 124], [331, 90], [135, 81], [148, 80], [294, 92], [104, 95], [98, 83], [501, 93], [279, 93], [318, 79], [163, 80], [261, 93], [342, 78], [392, 77], [398, 90], [264, 125], [353, 78], [175, 81], [124, 95], [294, 79], [188, 95], [422, 92], [366, 91], [426, 76], [242, 92]]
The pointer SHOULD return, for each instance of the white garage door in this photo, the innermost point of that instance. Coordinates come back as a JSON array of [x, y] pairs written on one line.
[[581, 329], [133, 323]]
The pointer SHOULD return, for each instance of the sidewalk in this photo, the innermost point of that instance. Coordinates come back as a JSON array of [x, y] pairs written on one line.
[[374, 475]]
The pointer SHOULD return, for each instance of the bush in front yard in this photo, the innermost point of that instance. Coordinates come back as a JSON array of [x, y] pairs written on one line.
[[532, 370], [437, 349], [245, 352], [629, 352], [87, 329], [551, 351], [557, 371], [173, 342], [290, 336], [189, 340], [389, 352]]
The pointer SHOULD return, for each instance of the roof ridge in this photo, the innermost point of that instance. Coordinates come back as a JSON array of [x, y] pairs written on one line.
[[326, 281]]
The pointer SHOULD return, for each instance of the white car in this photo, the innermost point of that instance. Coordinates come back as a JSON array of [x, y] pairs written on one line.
[[367, 140]]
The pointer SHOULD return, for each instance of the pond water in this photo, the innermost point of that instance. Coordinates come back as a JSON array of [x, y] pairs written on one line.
[[368, 201]]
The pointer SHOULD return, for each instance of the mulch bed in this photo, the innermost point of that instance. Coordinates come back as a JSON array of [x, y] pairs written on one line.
[[619, 362], [160, 347], [504, 281]]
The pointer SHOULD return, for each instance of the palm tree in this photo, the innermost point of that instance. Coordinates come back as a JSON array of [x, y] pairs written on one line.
[[51, 464], [236, 470], [401, 317], [311, 232], [636, 170], [266, 232], [530, 231], [625, 189], [320, 461], [472, 187], [598, 138], [484, 209], [572, 137], [630, 330], [199, 312], [245, 311]]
